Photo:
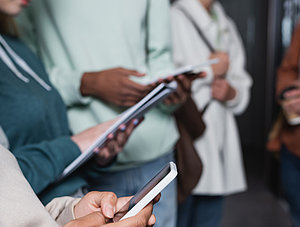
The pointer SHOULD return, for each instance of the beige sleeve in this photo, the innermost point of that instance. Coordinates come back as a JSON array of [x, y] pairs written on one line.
[[19, 206], [62, 209]]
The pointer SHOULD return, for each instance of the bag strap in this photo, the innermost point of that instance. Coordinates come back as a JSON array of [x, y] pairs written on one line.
[[198, 29]]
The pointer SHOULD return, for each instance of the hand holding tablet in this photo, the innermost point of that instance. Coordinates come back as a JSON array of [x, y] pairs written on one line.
[[191, 71], [135, 112]]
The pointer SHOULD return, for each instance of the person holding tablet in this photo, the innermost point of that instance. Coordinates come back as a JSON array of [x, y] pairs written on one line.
[[288, 86], [202, 30], [21, 207], [33, 117], [88, 49]]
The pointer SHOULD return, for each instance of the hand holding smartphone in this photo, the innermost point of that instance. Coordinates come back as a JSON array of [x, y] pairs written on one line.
[[148, 193]]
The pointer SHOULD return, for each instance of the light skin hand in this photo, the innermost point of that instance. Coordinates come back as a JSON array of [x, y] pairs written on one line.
[[97, 208], [222, 91], [115, 142], [114, 86], [220, 69], [292, 105]]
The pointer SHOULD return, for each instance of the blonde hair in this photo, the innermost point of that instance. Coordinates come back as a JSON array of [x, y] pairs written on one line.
[[7, 25]]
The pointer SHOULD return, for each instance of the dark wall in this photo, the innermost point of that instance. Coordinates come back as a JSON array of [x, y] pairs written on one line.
[[251, 17]]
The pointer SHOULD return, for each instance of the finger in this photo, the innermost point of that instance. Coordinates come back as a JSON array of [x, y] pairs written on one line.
[[107, 201], [130, 72], [152, 220], [140, 220], [291, 104], [292, 93], [157, 198], [121, 135], [122, 202], [184, 82], [91, 220], [181, 94], [171, 99], [137, 88], [128, 103]]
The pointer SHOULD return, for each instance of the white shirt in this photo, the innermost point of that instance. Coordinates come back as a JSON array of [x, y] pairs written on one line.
[[219, 147]]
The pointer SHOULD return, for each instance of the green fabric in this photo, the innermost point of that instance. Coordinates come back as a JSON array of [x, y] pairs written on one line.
[[75, 36], [35, 123]]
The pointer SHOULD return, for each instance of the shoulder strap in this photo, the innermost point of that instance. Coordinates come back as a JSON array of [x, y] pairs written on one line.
[[198, 29]]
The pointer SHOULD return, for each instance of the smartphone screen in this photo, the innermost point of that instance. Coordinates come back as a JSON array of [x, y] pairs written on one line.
[[143, 192]]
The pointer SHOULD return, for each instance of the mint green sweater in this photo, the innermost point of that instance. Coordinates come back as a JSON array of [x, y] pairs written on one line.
[[75, 36]]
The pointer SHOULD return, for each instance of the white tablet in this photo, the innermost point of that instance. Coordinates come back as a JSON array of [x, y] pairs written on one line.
[[136, 111], [144, 196], [187, 70]]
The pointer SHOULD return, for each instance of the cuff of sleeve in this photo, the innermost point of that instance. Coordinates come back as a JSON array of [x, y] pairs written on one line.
[[62, 209], [68, 213], [67, 150], [71, 208], [69, 87]]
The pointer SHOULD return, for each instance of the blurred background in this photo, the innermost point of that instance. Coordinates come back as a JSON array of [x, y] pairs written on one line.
[[266, 27]]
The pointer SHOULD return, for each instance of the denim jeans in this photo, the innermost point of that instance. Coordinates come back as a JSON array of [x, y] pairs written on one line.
[[128, 182], [290, 179], [200, 211]]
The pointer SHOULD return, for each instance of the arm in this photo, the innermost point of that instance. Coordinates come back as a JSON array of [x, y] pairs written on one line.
[[237, 76], [19, 204], [43, 162], [62, 209]]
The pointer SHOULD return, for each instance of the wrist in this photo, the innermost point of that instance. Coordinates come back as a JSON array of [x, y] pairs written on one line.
[[231, 94], [86, 84]]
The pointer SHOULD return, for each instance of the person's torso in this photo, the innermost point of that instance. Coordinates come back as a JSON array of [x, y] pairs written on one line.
[[29, 113], [98, 35]]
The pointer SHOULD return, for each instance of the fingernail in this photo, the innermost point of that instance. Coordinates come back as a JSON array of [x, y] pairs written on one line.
[[135, 122], [109, 211], [110, 136], [122, 128]]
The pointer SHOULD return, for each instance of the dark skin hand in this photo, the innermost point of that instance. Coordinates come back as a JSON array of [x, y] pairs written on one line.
[[114, 86], [184, 87]]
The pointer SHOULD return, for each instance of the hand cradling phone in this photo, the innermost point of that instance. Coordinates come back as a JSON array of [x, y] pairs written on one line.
[[144, 196], [292, 118]]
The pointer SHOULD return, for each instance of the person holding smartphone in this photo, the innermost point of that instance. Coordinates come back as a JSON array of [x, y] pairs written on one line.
[[288, 136], [201, 31], [33, 117], [21, 207], [99, 55]]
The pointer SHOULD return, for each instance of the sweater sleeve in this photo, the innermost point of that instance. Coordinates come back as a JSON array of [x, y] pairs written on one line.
[[62, 209], [288, 71], [19, 205], [42, 163]]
